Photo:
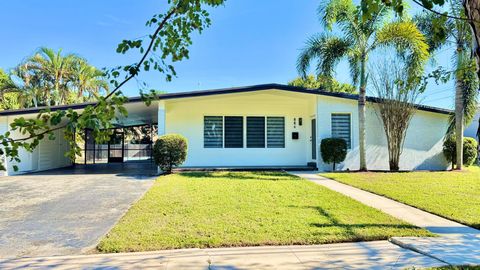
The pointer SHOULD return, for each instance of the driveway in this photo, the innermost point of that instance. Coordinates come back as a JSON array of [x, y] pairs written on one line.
[[63, 212]]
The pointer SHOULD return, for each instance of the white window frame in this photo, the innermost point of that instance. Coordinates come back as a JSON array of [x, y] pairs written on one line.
[[245, 130], [351, 127]]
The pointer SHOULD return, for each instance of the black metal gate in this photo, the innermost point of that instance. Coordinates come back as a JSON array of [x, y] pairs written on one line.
[[131, 143]]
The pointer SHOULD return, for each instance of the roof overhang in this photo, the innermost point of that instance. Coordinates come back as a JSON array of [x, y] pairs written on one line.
[[223, 91]]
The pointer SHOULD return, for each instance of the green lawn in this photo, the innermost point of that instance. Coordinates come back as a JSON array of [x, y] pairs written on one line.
[[454, 195], [202, 209]]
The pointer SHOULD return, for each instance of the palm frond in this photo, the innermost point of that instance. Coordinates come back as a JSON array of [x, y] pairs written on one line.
[[327, 50], [336, 11], [354, 59], [409, 41], [467, 80]]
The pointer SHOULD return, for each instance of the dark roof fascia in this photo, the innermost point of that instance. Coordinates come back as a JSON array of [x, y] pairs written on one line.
[[203, 93]]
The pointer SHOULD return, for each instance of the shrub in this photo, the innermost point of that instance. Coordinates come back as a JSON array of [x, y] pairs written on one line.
[[469, 150], [170, 151], [333, 150]]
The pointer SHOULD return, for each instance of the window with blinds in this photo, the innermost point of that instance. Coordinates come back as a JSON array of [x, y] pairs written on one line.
[[276, 132], [255, 132], [341, 127], [227, 132], [213, 132], [233, 131]]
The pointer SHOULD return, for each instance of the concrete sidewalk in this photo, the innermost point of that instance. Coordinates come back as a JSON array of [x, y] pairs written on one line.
[[362, 255], [457, 244]]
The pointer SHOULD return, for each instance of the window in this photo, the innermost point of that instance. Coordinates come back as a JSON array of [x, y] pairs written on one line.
[[227, 132], [276, 132], [341, 127], [233, 131], [255, 132], [213, 132]]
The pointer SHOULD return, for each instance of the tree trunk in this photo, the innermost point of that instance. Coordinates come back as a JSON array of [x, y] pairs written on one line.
[[472, 11], [361, 115], [459, 111]]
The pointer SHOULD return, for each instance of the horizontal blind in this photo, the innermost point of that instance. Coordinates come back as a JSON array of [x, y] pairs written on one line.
[[233, 131], [276, 132], [341, 127], [213, 132], [255, 132]]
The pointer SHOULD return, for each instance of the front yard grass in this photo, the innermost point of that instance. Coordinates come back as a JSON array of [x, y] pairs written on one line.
[[454, 195], [221, 209]]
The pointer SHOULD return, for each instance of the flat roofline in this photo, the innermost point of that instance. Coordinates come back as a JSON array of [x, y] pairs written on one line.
[[221, 91]]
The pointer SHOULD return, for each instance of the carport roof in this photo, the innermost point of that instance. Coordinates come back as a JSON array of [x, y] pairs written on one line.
[[242, 89]]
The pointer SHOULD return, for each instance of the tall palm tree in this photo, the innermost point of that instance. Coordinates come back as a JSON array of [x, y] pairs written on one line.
[[457, 33], [88, 81], [56, 69], [357, 38], [25, 84], [51, 78]]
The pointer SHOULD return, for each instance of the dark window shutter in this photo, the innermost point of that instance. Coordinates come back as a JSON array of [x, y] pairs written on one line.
[[255, 132], [233, 131], [276, 132], [213, 132], [341, 127]]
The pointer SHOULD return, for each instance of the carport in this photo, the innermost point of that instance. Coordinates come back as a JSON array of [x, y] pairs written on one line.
[[129, 150]]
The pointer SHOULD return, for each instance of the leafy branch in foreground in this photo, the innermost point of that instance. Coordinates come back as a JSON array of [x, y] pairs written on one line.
[[171, 39]]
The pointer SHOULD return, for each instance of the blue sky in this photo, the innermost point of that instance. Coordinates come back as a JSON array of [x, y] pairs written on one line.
[[249, 42]]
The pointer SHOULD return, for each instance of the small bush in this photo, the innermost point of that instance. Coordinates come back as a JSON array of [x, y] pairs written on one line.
[[333, 150], [170, 151], [469, 150]]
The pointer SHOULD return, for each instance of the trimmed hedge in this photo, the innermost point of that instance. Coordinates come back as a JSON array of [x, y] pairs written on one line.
[[333, 150], [469, 150], [170, 151]]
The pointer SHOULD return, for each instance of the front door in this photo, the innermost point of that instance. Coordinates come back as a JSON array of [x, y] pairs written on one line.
[[314, 139], [115, 147]]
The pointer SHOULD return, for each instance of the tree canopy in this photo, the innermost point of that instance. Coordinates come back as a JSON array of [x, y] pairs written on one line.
[[51, 78], [167, 44], [324, 83]]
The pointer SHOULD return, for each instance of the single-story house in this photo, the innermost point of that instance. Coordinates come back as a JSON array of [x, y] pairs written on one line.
[[261, 126], [471, 130]]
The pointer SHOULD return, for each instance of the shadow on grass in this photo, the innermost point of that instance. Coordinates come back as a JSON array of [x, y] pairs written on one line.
[[251, 175], [350, 229]]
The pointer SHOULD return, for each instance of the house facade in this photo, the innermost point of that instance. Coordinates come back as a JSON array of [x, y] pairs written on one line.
[[472, 129], [262, 126]]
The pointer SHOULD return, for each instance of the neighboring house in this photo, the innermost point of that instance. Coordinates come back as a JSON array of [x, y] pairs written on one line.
[[262, 126], [471, 130]]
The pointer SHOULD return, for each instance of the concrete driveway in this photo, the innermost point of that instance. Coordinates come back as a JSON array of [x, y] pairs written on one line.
[[66, 211]]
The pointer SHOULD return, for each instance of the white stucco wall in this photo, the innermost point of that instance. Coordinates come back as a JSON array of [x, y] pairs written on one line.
[[185, 116], [471, 130], [423, 143], [50, 154], [422, 151]]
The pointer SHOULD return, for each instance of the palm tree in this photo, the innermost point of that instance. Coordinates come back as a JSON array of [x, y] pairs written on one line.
[[50, 78], [25, 85], [357, 40], [466, 81], [88, 80], [55, 69]]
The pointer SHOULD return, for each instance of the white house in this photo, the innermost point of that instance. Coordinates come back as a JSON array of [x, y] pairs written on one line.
[[261, 126], [471, 130]]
